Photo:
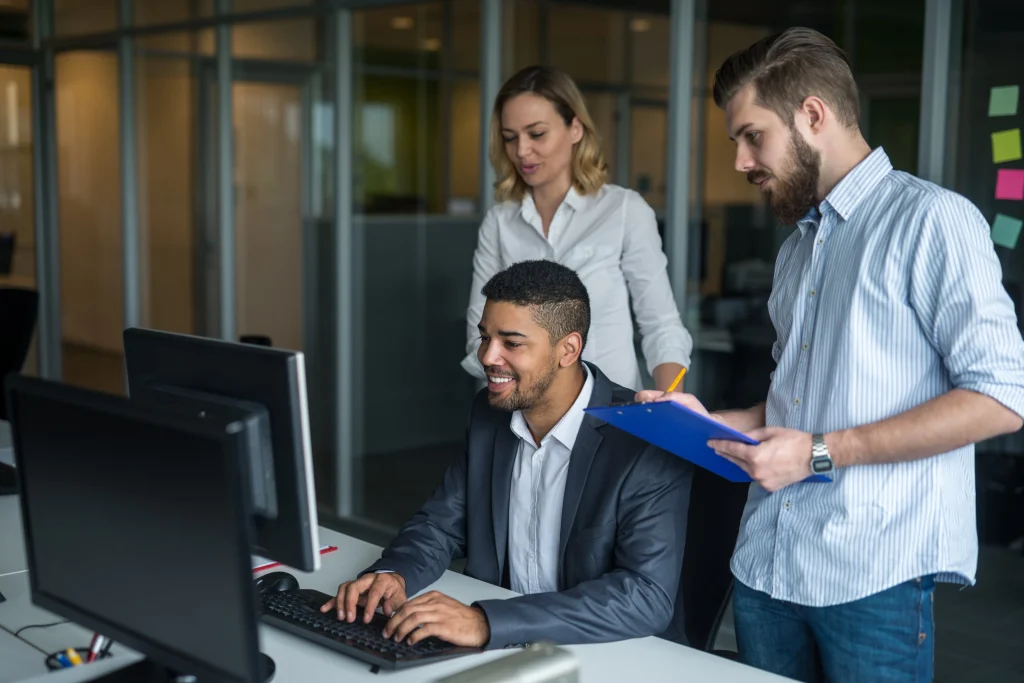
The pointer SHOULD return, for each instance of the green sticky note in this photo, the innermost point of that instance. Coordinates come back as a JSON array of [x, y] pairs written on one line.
[[1006, 146], [1006, 230], [1002, 101]]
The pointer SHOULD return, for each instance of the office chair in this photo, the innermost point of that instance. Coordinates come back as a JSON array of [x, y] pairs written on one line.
[[256, 339], [705, 582], [19, 309], [716, 506]]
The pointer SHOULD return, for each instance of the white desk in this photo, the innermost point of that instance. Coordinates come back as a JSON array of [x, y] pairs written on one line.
[[20, 661], [648, 659]]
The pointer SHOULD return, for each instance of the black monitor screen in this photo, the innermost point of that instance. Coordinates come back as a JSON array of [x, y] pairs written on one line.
[[136, 526], [272, 378]]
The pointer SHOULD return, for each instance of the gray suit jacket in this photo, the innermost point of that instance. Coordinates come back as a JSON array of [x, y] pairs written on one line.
[[622, 534]]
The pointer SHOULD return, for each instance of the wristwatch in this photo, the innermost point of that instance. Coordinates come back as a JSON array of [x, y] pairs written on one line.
[[821, 461]]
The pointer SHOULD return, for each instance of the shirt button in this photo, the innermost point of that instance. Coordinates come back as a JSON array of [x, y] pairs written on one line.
[[813, 292], [806, 346], [796, 401], [821, 240], [787, 505]]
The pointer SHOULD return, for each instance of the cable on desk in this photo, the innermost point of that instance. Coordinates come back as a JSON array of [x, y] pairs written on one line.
[[25, 628]]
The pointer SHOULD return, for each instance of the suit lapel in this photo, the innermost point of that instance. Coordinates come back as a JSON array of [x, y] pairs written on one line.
[[506, 445], [587, 442], [582, 456]]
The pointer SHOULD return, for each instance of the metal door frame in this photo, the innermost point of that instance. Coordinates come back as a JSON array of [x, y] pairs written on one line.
[[206, 246]]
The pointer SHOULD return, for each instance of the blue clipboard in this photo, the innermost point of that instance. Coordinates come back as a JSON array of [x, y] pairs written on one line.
[[680, 431]]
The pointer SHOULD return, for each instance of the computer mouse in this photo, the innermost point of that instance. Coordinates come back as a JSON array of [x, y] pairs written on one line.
[[275, 582]]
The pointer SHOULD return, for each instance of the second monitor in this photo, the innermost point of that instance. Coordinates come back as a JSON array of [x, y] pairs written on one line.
[[178, 370]]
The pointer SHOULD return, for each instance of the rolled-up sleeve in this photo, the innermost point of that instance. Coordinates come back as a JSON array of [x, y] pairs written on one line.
[[957, 292], [486, 263], [664, 339]]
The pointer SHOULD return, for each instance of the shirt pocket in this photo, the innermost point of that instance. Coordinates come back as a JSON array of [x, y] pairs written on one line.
[[587, 258], [598, 268]]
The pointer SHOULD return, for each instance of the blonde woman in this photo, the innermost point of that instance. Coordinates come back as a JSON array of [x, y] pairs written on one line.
[[553, 203]]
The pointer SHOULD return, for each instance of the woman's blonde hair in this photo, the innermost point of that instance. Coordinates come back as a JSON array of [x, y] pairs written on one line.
[[589, 170]]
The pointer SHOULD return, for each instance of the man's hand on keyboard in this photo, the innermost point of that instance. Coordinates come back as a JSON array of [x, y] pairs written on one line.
[[436, 614], [368, 591]]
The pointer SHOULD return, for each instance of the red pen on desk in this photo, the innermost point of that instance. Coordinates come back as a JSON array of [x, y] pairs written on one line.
[[95, 646], [262, 566]]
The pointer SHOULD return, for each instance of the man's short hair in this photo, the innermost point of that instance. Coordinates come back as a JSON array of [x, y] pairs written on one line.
[[787, 68], [559, 300]]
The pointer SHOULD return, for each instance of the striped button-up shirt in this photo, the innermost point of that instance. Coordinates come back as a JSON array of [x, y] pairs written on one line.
[[886, 296]]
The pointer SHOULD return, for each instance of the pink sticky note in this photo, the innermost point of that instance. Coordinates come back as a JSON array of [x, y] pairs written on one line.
[[1010, 184]]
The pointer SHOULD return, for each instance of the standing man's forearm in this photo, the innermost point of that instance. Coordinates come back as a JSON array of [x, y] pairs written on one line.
[[952, 420], [745, 420]]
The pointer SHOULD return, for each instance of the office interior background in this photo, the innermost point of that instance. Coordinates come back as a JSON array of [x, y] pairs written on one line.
[[315, 173]]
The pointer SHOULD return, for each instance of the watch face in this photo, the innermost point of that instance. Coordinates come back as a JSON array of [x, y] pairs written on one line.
[[820, 465]]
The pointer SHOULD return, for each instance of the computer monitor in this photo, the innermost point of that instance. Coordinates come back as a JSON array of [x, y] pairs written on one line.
[[163, 367], [137, 526]]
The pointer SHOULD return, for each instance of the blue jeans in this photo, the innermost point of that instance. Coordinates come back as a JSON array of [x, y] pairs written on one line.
[[888, 637]]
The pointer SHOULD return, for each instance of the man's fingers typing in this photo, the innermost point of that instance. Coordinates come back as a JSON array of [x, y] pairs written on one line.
[[373, 598], [437, 628], [415, 620], [352, 593]]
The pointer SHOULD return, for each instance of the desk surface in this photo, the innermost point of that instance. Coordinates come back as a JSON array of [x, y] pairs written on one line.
[[647, 659], [20, 660]]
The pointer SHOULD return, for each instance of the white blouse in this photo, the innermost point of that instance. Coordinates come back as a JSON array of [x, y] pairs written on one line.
[[611, 240]]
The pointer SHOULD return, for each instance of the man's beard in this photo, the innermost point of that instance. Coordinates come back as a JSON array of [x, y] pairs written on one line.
[[525, 400], [794, 196]]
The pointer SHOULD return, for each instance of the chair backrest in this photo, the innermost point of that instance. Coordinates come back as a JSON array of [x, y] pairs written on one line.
[[713, 522], [716, 507], [19, 309]]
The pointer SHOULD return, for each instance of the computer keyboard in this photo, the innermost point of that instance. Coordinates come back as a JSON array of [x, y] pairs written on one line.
[[298, 612]]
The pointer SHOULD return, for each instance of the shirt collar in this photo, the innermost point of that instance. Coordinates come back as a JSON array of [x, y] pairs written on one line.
[[850, 191], [528, 210], [567, 428], [859, 183]]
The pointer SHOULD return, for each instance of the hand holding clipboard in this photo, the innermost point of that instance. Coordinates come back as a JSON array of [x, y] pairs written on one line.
[[681, 431]]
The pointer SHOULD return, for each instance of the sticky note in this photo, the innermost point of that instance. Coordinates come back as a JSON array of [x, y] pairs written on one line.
[[1006, 146], [1006, 230], [1009, 184], [1002, 101]]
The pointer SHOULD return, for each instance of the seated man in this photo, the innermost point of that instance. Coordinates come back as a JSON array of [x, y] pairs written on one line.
[[587, 521]]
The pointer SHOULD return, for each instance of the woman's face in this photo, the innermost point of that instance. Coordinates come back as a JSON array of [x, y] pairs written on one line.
[[537, 141]]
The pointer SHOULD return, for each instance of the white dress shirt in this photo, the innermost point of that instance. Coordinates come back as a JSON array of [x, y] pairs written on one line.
[[887, 297], [611, 240], [535, 497]]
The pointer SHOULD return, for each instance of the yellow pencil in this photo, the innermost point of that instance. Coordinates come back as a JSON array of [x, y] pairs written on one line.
[[679, 378], [73, 656]]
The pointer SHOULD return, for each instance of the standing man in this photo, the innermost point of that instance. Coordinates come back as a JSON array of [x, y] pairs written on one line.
[[897, 349]]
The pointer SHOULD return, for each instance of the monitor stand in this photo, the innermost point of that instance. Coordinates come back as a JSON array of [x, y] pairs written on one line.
[[148, 671]]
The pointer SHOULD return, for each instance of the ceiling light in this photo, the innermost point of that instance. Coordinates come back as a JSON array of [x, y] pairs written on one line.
[[401, 23], [640, 25]]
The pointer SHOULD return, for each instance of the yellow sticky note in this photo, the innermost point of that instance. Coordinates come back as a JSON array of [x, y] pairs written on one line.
[[1006, 146]]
